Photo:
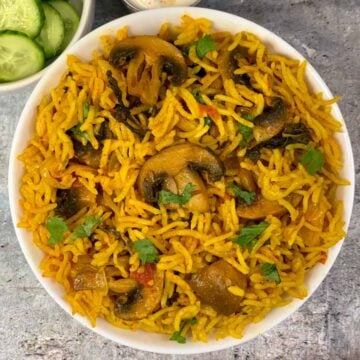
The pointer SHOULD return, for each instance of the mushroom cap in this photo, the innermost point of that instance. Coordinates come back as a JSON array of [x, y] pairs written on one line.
[[167, 167], [270, 122], [148, 56], [144, 300], [211, 285]]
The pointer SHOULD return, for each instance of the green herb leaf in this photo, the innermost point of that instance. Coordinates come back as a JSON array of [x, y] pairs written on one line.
[[191, 321], [246, 133], [76, 131], [270, 272], [56, 227], [205, 45], [248, 234], [197, 95], [247, 196], [208, 120], [86, 109], [167, 197], [313, 160], [248, 117], [146, 250], [87, 228], [176, 336]]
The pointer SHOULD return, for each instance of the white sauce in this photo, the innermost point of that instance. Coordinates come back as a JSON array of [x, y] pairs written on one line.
[[149, 4]]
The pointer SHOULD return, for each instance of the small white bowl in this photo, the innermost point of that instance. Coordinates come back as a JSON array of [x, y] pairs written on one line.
[[148, 22], [86, 9]]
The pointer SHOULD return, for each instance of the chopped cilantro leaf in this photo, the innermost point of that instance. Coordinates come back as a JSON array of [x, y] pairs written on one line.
[[205, 45], [246, 133], [197, 95], [76, 131], [167, 197], [247, 196], [56, 227], [313, 160], [248, 234], [87, 228], [146, 250], [248, 117], [208, 120], [176, 336], [86, 109], [270, 272]]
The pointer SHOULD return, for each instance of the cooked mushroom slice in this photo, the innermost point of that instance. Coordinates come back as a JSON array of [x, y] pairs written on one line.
[[199, 200], [86, 154], [89, 277], [247, 180], [70, 201], [149, 56], [270, 122], [262, 207], [140, 301], [229, 62], [292, 134], [211, 285], [160, 170]]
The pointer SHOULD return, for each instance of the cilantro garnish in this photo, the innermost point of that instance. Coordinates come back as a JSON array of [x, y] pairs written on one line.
[[247, 196], [86, 109], [167, 197], [87, 228], [76, 131], [56, 227], [146, 250], [270, 272], [197, 95], [248, 117], [246, 133], [313, 160], [208, 120], [176, 336], [205, 45], [248, 234]]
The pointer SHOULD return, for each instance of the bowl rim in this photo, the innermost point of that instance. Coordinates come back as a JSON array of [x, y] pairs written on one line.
[[102, 325], [85, 16]]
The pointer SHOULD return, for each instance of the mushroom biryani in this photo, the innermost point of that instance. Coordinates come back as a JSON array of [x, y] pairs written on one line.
[[182, 183]]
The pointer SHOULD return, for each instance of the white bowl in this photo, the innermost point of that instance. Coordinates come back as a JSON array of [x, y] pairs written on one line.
[[148, 22], [86, 9]]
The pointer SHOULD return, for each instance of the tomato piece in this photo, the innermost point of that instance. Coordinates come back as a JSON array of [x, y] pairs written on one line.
[[209, 110], [144, 275]]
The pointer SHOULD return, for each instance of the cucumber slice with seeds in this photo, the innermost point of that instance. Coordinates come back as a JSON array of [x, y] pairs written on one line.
[[26, 16], [70, 17], [52, 33], [20, 56]]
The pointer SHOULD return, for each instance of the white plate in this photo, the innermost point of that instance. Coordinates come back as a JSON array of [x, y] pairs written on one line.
[[148, 23]]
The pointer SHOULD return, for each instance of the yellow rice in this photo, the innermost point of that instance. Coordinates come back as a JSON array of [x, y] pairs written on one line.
[[295, 245]]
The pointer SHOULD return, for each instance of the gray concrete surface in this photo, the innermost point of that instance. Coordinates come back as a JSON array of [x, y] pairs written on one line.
[[33, 327]]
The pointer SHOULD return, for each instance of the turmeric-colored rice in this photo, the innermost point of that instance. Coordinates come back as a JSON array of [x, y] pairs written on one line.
[[186, 241]]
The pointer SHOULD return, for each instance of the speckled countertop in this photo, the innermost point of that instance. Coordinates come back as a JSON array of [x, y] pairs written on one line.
[[33, 326]]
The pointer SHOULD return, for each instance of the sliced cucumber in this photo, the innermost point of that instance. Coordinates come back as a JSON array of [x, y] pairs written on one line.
[[70, 17], [20, 56], [26, 16], [53, 32]]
